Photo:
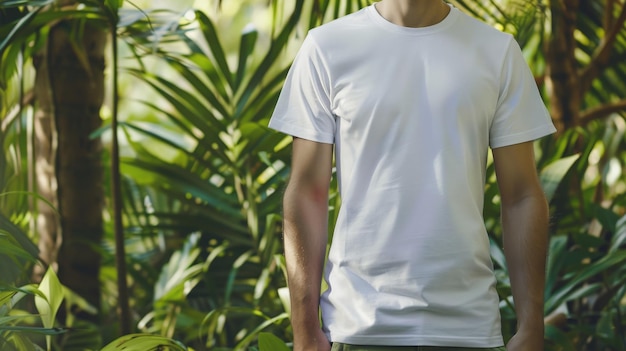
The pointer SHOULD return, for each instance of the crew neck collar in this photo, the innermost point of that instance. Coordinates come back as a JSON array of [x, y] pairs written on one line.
[[385, 24]]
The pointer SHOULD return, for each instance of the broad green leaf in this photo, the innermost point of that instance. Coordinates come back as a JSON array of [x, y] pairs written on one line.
[[251, 335], [553, 173], [270, 342], [144, 342]]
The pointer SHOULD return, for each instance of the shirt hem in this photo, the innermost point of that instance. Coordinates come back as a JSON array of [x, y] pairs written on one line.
[[302, 133], [518, 138], [441, 341]]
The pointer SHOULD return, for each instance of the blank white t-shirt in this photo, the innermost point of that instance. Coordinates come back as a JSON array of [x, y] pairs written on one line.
[[412, 113]]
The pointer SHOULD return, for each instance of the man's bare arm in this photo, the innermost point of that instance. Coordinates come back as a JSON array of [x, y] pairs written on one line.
[[305, 207], [525, 223]]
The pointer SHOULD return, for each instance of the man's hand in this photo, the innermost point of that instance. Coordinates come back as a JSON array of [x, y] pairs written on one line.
[[526, 341], [316, 341]]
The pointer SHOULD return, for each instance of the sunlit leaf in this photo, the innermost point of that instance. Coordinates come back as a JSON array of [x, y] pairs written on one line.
[[210, 35], [269, 342], [619, 239], [144, 342], [51, 287], [248, 40], [553, 173]]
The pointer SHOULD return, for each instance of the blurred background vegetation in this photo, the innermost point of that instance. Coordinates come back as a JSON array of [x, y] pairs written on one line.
[[140, 188]]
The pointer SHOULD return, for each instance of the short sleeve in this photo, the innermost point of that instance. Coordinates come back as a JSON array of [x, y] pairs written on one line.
[[304, 109], [520, 113]]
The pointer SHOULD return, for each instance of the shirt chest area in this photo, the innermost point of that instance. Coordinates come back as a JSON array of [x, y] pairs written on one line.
[[414, 84]]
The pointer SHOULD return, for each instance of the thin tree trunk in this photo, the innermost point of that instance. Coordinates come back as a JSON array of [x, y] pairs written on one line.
[[78, 93], [45, 150], [116, 198]]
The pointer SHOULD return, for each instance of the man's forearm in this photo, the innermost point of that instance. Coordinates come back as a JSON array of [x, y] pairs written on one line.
[[305, 237], [525, 224]]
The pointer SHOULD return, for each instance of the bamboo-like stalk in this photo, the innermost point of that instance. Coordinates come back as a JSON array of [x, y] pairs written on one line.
[[116, 195]]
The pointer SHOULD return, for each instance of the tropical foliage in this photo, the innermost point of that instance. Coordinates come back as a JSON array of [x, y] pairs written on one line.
[[201, 175]]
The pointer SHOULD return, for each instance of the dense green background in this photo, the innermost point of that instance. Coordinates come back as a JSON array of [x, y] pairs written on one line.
[[188, 91]]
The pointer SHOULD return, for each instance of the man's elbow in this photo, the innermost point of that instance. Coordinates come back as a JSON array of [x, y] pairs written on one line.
[[315, 192]]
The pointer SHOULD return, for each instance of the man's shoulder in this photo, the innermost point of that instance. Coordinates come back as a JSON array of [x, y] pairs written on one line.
[[482, 30], [342, 27]]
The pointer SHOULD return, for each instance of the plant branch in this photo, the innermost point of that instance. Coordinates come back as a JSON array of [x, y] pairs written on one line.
[[603, 51], [602, 111], [607, 21]]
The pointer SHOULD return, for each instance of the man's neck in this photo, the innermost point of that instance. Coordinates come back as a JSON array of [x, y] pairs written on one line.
[[413, 13]]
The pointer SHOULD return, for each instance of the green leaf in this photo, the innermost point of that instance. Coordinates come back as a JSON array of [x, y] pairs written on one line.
[[497, 254], [246, 340], [113, 5], [553, 173], [200, 86], [6, 296], [606, 217], [16, 3], [9, 247], [144, 342], [36, 330], [619, 239], [13, 262], [248, 39], [51, 287], [565, 293], [270, 342], [210, 34], [180, 274], [559, 337], [278, 44]]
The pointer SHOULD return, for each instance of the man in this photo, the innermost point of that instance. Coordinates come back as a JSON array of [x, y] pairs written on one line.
[[412, 94]]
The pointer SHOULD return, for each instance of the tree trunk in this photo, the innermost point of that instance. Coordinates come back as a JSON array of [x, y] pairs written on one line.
[[47, 221], [71, 74], [79, 93], [561, 71]]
